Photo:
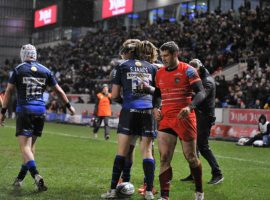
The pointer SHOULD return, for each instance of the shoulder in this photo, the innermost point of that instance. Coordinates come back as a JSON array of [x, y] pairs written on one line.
[[149, 65], [210, 79], [189, 70], [20, 66], [42, 67], [124, 63], [161, 70]]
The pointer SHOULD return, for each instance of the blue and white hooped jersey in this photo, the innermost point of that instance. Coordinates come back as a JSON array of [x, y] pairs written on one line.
[[130, 75], [31, 80]]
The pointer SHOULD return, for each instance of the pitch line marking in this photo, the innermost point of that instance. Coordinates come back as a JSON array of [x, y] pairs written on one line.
[[176, 150]]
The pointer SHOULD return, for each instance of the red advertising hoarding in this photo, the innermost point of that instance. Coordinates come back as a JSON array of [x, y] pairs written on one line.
[[233, 132], [112, 8], [45, 16], [246, 116]]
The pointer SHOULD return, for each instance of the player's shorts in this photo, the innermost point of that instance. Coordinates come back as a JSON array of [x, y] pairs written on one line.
[[29, 124], [137, 122], [184, 128]]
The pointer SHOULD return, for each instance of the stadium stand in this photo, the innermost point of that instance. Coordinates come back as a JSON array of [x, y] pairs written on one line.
[[218, 39]]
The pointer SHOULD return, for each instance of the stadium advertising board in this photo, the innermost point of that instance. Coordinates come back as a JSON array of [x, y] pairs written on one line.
[[112, 8], [246, 116], [45, 16], [232, 132]]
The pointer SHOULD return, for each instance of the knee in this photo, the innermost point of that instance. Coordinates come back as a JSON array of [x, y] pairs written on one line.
[[164, 160], [192, 160], [26, 150]]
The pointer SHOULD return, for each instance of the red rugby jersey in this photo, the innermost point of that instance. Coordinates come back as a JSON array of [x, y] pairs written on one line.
[[175, 87]]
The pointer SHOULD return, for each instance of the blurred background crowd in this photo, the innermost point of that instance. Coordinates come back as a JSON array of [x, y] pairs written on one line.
[[219, 39]]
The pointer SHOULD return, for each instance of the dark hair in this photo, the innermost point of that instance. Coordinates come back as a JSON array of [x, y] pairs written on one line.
[[170, 46], [262, 117]]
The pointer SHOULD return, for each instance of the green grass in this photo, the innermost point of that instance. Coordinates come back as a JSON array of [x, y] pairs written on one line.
[[75, 166]]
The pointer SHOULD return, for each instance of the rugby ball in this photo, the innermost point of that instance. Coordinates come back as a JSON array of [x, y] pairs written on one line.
[[125, 189]]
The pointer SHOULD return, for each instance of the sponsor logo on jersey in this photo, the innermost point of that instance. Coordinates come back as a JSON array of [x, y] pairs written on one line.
[[138, 64], [33, 69]]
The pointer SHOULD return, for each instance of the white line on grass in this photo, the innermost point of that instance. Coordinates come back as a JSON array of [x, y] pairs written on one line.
[[85, 137]]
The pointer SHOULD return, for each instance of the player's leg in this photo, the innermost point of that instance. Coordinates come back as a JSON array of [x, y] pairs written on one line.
[[166, 145], [24, 169], [204, 124], [124, 137], [38, 124], [148, 165], [123, 141], [189, 150], [23, 122], [106, 128], [129, 160]]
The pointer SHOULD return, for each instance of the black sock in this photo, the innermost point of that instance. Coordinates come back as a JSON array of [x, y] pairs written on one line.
[[32, 168], [118, 166], [149, 172], [22, 172], [126, 171]]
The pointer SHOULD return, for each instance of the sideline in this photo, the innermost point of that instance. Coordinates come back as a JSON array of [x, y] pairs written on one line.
[[176, 150]]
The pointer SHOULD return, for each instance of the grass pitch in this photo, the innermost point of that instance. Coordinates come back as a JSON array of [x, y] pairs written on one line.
[[75, 166]]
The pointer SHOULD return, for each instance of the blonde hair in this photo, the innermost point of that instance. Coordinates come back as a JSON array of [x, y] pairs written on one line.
[[149, 52]]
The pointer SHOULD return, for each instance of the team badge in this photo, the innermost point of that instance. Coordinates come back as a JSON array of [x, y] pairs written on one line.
[[33, 68], [138, 64], [177, 80]]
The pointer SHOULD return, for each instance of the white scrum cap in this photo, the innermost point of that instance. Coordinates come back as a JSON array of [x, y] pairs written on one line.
[[28, 52]]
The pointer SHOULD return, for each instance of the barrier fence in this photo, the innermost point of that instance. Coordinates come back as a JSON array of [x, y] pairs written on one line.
[[231, 124]]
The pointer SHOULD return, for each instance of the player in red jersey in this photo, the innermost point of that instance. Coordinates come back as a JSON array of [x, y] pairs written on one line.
[[176, 82]]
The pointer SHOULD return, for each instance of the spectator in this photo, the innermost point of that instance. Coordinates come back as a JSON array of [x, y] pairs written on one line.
[[80, 100], [103, 111], [257, 104], [263, 132]]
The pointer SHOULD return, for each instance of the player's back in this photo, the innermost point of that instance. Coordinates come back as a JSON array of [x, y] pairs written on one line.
[[31, 79], [130, 75]]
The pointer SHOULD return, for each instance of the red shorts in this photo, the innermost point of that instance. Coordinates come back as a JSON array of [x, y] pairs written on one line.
[[186, 128]]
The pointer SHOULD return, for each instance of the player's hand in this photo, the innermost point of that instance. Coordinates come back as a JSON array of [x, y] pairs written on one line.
[[157, 114], [72, 110], [184, 112], [145, 87], [2, 119]]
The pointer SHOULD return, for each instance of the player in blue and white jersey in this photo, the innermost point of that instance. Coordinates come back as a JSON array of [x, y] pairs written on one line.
[[136, 117], [30, 78]]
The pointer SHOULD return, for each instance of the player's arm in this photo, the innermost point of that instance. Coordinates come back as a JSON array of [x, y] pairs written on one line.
[[157, 104], [6, 100], [62, 95], [96, 106], [199, 96], [208, 87], [116, 93], [1, 101]]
